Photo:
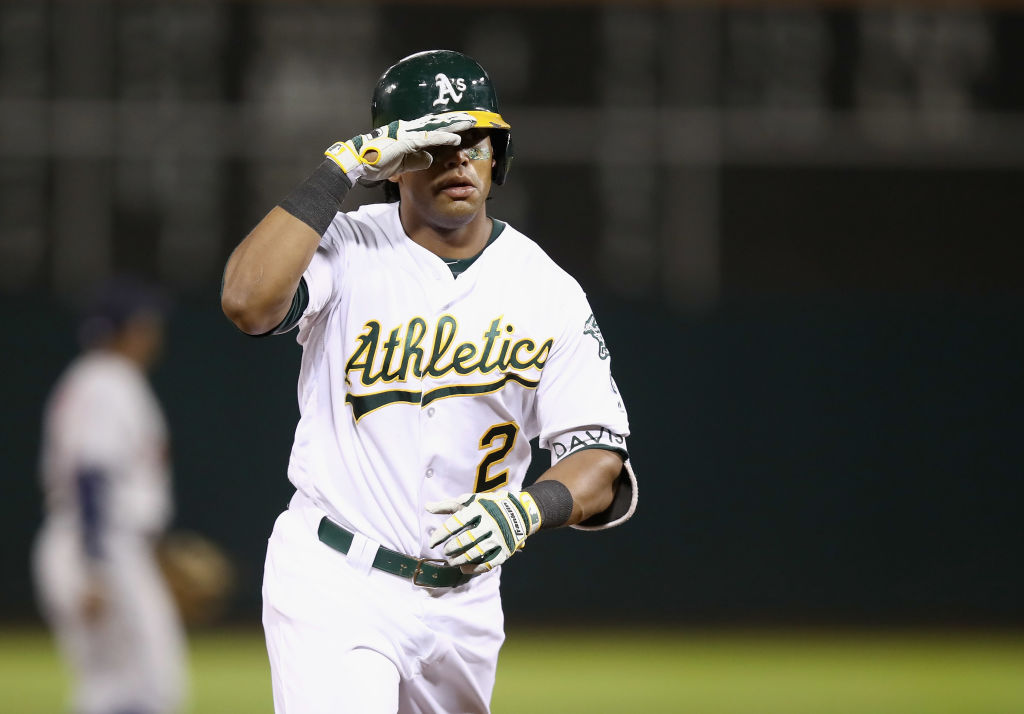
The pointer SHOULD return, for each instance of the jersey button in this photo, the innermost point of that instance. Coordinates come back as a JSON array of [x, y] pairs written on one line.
[[430, 473], [431, 411]]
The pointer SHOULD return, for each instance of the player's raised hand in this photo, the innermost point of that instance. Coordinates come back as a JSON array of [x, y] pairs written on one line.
[[398, 147], [485, 528]]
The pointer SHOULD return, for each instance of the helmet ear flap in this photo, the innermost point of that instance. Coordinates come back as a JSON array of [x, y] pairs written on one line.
[[503, 160]]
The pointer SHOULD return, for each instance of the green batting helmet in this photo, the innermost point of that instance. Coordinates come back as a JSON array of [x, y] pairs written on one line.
[[440, 81]]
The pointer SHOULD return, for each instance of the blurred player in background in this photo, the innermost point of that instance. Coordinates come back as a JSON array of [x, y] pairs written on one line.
[[107, 485]]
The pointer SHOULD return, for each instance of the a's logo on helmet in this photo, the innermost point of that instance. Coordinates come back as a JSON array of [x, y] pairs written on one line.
[[447, 88]]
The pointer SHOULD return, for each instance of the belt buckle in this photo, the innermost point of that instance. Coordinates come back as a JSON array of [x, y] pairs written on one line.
[[419, 570]]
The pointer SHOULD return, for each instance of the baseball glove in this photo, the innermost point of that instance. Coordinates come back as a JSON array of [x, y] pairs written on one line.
[[199, 575]]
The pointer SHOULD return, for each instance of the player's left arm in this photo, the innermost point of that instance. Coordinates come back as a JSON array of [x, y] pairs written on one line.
[[486, 529], [590, 485], [586, 483]]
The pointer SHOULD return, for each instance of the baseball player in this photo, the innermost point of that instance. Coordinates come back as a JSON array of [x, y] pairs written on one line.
[[106, 483], [437, 342]]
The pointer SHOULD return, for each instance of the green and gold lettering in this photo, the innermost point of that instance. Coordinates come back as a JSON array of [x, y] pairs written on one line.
[[366, 352], [541, 358], [489, 338], [403, 357], [413, 336], [444, 335], [502, 361], [463, 353], [514, 360], [389, 353]]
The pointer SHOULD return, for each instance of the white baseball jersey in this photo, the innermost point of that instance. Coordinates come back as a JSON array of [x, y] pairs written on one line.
[[103, 415], [103, 418], [416, 386]]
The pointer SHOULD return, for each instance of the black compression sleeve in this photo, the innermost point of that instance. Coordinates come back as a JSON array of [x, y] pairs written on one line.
[[317, 200], [554, 501]]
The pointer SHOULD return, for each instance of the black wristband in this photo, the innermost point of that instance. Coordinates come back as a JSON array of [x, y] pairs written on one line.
[[317, 200], [554, 501]]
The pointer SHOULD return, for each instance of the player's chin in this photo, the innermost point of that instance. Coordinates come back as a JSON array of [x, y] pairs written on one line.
[[461, 206]]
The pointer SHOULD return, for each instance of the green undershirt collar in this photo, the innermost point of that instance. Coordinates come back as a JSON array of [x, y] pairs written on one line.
[[460, 265]]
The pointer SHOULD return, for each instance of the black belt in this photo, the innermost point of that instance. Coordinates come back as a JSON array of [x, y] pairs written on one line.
[[423, 571]]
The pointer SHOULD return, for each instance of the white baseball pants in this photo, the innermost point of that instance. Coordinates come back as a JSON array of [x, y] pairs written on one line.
[[345, 637], [133, 659]]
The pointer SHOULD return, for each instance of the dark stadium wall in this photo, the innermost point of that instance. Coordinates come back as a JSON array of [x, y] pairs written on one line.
[[838, 463]]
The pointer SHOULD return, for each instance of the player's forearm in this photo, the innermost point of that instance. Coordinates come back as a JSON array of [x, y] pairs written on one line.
[[262, 274], [589, 475]]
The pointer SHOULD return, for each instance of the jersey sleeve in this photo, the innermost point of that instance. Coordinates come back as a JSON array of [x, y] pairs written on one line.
[[579, 406], [576, 388], [321, 280]]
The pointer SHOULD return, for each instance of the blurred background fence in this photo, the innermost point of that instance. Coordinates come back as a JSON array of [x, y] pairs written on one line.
[[799, 226]]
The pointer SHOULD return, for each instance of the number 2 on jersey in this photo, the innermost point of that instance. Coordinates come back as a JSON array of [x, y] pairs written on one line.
[[505, 435]]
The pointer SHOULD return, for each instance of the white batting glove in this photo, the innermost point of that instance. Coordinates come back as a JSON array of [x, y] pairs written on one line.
[[486, 528], [399, 146]]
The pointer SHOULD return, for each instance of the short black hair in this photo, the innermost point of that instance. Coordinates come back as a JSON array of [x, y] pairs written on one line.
[[116, 302]]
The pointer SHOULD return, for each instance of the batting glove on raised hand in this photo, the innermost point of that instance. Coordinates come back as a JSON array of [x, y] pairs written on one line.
[[486, 528], [398, 147]]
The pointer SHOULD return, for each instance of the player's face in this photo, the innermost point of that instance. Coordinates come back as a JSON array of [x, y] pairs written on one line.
[[142, 338], [452, 190]]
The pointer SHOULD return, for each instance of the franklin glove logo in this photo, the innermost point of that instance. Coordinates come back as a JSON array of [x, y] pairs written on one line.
[[514, 520], [446, 88]]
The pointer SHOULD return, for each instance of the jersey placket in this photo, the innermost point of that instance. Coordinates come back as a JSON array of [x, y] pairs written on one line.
[[433, 434]]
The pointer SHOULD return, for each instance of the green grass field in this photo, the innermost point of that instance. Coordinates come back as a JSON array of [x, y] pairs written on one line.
[[628, 671]]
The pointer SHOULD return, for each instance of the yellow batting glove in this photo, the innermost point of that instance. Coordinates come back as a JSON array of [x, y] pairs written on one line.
[[486, 529], [398, 147]]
